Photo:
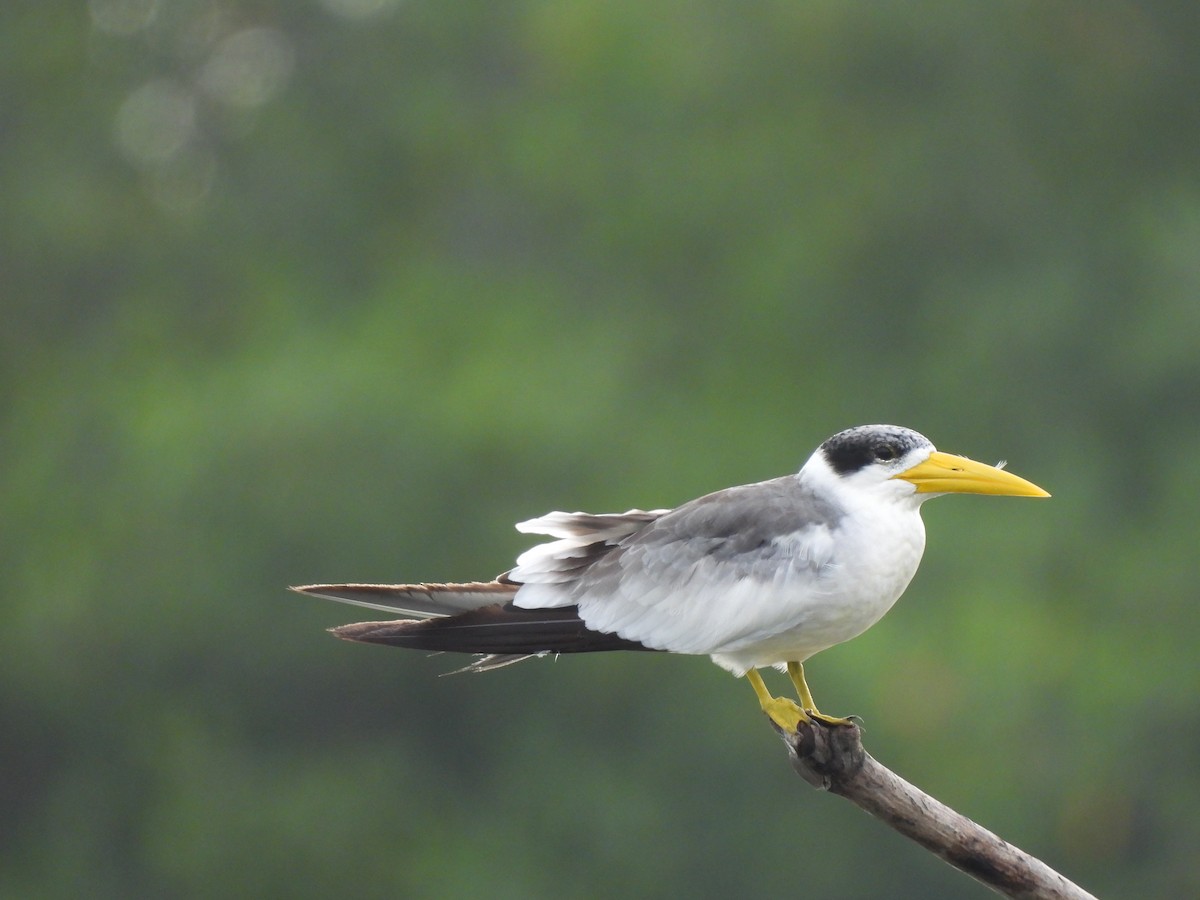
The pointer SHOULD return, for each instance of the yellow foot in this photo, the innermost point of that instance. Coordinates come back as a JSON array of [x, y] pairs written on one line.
[[788, 714], [785, 713], [796, 673]]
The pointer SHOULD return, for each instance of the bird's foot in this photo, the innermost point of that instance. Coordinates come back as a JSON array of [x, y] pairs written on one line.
[[786, 714], [796, 673]]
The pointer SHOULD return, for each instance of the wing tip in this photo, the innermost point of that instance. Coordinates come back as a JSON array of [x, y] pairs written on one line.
[[499, 584], [322, 590], [350, 586], [372, 632]]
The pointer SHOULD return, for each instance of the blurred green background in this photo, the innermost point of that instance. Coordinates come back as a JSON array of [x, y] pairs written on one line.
[[340, 290]]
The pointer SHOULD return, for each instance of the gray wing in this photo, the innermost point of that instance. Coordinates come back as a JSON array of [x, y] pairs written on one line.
[[721, 569]]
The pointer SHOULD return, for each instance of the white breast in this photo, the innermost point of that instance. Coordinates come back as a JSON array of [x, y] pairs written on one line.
[[871, 568]]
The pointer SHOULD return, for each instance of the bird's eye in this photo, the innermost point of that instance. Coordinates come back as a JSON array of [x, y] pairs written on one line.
[[885, 454]]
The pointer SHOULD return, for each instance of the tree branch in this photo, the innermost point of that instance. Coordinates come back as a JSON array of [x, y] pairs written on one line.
[[832, 758]]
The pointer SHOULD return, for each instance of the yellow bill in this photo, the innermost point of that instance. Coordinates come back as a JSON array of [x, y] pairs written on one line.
[[945, 473]]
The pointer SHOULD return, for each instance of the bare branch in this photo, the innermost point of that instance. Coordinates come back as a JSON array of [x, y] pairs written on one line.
[[832, 758]]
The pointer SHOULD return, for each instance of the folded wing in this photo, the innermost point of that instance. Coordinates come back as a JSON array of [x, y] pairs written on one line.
[[421, 600]]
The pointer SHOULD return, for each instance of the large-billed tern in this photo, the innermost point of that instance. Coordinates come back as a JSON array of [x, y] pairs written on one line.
[[764, 574]]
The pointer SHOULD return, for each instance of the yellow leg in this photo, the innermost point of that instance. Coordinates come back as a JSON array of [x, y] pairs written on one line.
[[796, 673]]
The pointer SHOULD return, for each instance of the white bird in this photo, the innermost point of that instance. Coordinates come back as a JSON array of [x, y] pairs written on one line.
[[764, 574]]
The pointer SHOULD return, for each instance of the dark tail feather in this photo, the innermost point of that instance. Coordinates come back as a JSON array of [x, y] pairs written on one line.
[[504, 632]]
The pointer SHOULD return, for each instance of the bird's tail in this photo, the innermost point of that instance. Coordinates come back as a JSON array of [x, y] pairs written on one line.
[[501, 632]]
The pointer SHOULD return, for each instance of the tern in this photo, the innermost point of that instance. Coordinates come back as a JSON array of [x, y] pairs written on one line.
[[764, 574]]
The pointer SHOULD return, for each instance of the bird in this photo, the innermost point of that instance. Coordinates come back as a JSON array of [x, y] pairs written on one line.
[[754, 576]]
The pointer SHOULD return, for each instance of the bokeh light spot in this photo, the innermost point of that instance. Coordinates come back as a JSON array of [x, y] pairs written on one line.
[[155, 122], [248, 68], [122, 17]]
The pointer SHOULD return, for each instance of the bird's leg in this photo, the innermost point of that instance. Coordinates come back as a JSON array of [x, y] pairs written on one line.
[[796, 673], [782, 711]]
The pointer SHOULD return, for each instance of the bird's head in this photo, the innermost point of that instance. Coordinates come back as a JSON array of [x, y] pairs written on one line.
[[893, 461]]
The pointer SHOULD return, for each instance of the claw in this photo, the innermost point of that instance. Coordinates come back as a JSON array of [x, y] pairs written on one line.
[[828, 720]]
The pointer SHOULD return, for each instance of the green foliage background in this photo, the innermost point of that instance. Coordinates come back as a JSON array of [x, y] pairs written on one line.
[[304, 292]]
